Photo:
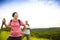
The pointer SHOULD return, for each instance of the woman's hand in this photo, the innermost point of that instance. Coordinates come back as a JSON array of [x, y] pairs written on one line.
[[3, 21], [21, 32]]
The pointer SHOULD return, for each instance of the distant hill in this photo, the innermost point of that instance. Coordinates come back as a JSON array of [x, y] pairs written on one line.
[[46, 29], [38, 29]]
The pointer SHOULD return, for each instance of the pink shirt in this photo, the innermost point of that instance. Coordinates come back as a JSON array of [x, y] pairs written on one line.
[[15, 28]]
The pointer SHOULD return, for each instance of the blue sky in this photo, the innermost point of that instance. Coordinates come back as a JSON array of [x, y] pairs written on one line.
[[3, 2], [40, 13]]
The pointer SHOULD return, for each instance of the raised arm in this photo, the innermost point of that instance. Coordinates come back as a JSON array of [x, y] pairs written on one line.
[[4, 22]]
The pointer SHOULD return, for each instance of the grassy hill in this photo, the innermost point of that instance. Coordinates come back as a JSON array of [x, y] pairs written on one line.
[[50, 33], [37, 34]]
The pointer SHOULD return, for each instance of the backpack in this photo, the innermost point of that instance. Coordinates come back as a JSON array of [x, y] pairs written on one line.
[[18, 21]]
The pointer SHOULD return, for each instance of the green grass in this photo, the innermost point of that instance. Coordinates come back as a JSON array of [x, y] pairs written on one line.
[[35, 38], [4, 35]]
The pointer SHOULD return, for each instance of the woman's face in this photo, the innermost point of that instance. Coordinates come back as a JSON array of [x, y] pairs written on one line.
[[16, 15], [26, 22]]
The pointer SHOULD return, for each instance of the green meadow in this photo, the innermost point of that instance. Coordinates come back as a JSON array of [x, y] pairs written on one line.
[[4, 35], [36, 34]]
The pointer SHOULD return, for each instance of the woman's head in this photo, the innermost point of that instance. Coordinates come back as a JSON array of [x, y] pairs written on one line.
[[15, 15], [26, 21]]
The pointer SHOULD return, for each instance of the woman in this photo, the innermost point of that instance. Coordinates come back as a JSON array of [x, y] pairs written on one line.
[[27, 31], [15, 33]]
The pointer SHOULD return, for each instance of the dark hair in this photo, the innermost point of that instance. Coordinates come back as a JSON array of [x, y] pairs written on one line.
[[14, 14]]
